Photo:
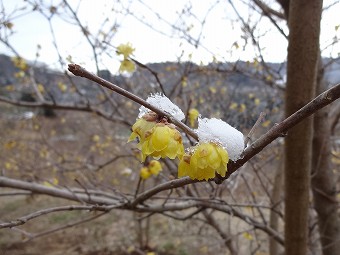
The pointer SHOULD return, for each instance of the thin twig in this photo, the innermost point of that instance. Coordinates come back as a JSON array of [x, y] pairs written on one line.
[[67, 107], [68, 225], [251, 132], [24, 219], [80, 71], [154, 73]]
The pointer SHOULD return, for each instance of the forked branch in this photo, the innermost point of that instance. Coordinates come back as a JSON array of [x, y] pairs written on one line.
[[278, 130]]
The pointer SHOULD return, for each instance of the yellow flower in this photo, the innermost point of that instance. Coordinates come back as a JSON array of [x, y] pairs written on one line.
[[242, 108], [20, 74], [20, 63], [212, 90], [125, 49], [233, 106], [203, 162], [184, 81], [127, 65], [95, 138], [62, 87], [41, 88], [162, 141], [193, 114], [248, 236], [10, 88], [266, 123], [155, 167], [145, 173], [10, 145], [140, 128]]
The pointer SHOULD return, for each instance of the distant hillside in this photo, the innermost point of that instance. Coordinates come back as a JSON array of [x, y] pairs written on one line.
[[246, 77]]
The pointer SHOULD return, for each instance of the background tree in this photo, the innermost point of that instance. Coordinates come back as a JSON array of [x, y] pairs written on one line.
[[303, 55]]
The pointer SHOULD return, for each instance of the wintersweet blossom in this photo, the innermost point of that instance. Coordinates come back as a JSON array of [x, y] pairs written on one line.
[[127, 65], [162, 141], [219, 132], [204, 161], [218, 142], [140, 128], [153, 168], [157, 137], [125, 49], [144, 173], [193, 115]]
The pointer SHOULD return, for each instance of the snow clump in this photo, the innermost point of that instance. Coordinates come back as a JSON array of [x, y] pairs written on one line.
[[217, 131], [163, 103]]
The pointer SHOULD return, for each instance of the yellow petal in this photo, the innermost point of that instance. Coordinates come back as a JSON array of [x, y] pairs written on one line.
[[206, 174], [214, 159], [155, 167], [145, 173], [160, 138], [183, 168]]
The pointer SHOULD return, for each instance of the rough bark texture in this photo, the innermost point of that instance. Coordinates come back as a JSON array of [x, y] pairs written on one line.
[[324, 180], [303, 51]]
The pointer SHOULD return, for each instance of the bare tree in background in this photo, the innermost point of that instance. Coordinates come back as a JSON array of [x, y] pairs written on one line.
[[303, 53]]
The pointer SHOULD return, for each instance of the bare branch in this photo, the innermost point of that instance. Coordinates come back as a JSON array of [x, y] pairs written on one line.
[[277, 131], [269, 11], [69, 225], [67, 107], [251, 132], [24, 219], [281, 128], [80, 71], [55, 192]]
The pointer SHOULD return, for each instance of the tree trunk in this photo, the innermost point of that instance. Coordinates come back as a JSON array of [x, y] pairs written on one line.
[[303, 51], [324, 180]]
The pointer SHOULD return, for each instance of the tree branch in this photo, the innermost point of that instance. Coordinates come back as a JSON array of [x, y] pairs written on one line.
[[55, 192], [278, 130], [80, 71], [24, 219], [66, 107], [68, 225]]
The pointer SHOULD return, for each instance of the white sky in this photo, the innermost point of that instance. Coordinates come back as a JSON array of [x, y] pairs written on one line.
[[219, 33]]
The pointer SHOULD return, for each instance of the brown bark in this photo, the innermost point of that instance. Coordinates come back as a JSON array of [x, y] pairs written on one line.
[[324, 180], [303, 50]]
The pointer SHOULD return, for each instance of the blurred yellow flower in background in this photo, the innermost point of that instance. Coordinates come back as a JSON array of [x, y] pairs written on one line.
[[193, 115], [153, 168], [145, 173], [127, 65], [125, 49]]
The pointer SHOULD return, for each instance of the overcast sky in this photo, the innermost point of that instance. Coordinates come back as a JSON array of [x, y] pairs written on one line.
[[154, 38]]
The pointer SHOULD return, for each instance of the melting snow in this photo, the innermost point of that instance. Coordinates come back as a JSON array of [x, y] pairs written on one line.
[[163, 103], [218, 131]]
